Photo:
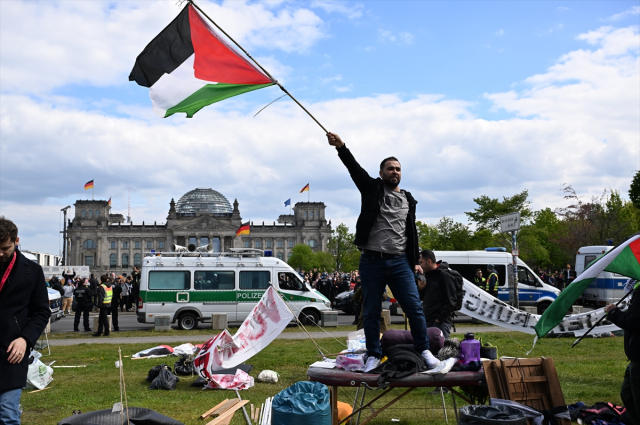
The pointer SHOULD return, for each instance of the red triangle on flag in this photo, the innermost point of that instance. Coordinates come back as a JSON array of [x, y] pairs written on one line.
[[215, 60]]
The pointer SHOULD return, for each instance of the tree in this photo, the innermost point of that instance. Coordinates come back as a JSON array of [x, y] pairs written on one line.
[[342, 247], [487, 214], [427, 235], [324, 261], [634, 190], [302, 257]]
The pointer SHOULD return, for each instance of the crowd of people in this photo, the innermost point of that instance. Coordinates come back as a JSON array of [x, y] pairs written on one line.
[[330, 284], [107, 296], [558, 279]]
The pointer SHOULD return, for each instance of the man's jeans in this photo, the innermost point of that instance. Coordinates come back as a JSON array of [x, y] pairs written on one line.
[[445, 327], [376, 274], [9, 407], [630, 391]]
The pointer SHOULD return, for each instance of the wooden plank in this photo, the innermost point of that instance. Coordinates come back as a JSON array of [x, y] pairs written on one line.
[[210, 411], [555, 390], [493, 385], [226, 406], [228, 413], [333, 392]]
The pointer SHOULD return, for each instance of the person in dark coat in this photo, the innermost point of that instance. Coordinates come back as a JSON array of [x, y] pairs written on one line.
[[24, 313], [93, 285], [629, 321], [438, 293], [387, 236], [117, 296], [84, 300]]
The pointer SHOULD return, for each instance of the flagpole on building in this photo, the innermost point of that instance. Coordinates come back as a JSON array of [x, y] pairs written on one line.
[[259, 66], [92, 189]]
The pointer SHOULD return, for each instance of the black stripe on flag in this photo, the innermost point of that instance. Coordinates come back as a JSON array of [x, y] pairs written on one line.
[[166, 52]]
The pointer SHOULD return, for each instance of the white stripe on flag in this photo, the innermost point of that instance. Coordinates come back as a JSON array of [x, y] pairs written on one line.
[[171, 89]]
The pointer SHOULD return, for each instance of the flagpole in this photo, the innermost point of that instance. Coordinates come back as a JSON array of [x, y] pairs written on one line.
[[259, 66], [92, 189]]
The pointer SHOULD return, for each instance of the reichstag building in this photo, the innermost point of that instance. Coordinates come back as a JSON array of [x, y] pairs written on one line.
[[106, 242]]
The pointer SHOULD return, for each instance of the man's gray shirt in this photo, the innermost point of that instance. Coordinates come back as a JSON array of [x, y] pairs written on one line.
[[388, 233]]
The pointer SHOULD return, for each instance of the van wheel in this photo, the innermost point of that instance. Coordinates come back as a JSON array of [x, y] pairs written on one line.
[[310, 317], [187, 321], [543, 306]]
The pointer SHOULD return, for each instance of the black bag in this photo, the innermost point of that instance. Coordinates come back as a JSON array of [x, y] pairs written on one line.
[[153, 373], [491, 415], [136, 416], [184, 366], [164, 381], [403, 360], [459, 284]]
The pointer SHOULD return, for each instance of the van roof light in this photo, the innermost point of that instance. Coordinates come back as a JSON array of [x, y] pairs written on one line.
[[496, 249]]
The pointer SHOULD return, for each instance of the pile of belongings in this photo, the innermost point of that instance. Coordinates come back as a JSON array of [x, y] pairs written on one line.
[[600, 413], [166, 350]]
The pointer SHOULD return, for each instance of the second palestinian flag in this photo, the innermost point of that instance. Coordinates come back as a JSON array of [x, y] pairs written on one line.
[[189, 66]]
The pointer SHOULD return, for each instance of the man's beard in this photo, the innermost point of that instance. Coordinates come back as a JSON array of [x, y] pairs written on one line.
[[391, 184]]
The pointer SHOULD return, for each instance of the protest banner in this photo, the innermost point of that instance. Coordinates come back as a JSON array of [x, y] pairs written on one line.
[[265, 322]]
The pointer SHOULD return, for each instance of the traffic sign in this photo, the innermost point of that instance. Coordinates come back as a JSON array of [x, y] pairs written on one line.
[[510, 222]]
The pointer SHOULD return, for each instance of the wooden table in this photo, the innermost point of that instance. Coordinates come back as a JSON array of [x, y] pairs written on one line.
[[334, 378]]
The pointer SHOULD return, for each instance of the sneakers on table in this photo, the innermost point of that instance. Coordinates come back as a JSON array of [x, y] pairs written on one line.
[[430, 359], [371, 364]]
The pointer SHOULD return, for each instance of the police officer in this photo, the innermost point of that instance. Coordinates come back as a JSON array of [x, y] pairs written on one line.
[[325, 287], [105, 296], [84, 300], [492, 281], [480, 281]]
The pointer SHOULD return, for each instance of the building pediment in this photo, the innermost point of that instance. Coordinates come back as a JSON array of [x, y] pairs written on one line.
[[205, 224]]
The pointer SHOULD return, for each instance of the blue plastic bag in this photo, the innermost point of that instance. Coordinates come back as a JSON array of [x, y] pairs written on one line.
[[303, 403]]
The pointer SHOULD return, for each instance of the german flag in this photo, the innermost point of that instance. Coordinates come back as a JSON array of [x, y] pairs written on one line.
[[109, 202], [305, 189], [88, 185], [244, 229]]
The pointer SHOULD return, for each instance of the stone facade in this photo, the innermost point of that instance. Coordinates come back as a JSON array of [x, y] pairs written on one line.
[[106, 243]]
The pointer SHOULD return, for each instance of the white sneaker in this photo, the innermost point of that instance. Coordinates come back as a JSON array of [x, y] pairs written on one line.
[[372, 363], [430, 359]]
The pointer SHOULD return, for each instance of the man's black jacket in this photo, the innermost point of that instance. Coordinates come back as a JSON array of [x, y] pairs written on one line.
[[372, 195], [24, 312], [439, 295], [84, 295], [629, 321]]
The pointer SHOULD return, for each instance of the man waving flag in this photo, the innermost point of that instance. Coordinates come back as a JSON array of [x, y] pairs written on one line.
[[189, 66]]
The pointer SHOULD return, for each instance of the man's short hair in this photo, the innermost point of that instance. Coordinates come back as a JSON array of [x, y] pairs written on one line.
[[427, 254], [8, 230], [479, 270], [384, 161]]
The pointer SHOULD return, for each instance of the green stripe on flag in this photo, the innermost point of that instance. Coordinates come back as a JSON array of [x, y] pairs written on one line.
[[212, 93], [559, 307]]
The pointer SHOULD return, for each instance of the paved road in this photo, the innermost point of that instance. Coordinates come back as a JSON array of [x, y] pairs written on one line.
[[129, 322]]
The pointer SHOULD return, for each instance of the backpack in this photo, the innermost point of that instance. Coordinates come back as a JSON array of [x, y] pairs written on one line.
[[403, 360], [459, 284]]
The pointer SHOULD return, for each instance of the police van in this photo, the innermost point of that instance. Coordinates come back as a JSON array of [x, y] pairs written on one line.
[[191, 284], [608, 287], [532, 291]]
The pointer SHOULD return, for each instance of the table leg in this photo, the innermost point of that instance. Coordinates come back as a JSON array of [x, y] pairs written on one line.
[[455, 408], [364, 392], [444, 407], [333, 390]]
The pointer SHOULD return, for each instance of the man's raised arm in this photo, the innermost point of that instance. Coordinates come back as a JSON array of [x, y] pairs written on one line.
[[358, 174]]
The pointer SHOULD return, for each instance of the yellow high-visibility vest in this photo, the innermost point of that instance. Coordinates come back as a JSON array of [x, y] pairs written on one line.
[[108, 294]]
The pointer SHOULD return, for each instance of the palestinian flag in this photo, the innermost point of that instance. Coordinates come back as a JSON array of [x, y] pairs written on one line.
[[189, 66], [623, 259], [244, 229]]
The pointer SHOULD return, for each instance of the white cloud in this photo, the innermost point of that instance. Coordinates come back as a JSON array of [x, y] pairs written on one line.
[[352, 12], [500, 32], [331, 79], [562, 8], [387, 36], [634, 10], [95, 43], [343, 89]]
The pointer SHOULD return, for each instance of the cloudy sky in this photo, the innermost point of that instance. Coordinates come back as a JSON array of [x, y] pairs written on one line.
[[473, 97]]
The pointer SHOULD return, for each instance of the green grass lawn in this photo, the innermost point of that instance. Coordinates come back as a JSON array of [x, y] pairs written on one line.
[[591, 372]]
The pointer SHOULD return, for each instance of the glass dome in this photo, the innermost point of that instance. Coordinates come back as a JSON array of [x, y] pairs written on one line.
[[202, 200]]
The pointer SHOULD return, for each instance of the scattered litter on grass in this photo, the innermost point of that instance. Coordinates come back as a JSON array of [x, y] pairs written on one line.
[[155, 352], [84, 365]]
